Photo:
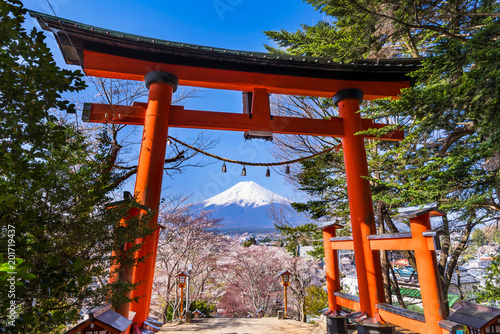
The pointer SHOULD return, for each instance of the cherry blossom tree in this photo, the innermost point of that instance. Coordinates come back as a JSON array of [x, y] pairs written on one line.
[[187, 238], [250, 279], [240, 280], [305, 273]]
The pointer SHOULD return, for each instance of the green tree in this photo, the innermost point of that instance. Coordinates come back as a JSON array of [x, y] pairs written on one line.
[[451, 152], [491, 292], [306, 234], [496, 236], [315, 301], [57, 235], [249, 242], [478, 237], [66, 235], [204, 307]]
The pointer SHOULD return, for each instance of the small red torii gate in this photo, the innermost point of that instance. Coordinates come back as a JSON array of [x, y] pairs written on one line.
[[163, 65]]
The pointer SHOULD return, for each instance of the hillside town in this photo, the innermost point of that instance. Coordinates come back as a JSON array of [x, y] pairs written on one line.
[[469, 278]]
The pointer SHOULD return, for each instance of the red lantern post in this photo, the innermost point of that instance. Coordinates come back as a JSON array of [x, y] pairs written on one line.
[[285, 281], [181, 280]]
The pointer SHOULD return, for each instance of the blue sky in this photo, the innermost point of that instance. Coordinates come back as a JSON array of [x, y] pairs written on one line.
[[232, 24]]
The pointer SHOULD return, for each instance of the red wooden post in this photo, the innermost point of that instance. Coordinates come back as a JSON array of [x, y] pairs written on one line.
[[285, 281], [331, 267], [182, 300], [149, 179], [428, 276], [368, 269], [286, 302]]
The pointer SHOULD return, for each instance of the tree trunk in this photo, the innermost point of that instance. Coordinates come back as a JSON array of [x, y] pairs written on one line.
[[303, 312], [459, 285], [384, 260], [448, 267], [408, 254], [396, 288], [165, 313], [445, 250]]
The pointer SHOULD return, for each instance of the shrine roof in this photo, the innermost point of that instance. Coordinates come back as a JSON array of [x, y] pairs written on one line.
[[82, 44], [475, 315]]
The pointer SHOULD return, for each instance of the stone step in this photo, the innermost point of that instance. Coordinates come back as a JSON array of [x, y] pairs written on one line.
[[154, 322], [146, 331], [150, 326]]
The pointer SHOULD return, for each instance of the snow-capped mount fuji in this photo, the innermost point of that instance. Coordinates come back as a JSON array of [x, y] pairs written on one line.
[[246, 194], [245, 207]]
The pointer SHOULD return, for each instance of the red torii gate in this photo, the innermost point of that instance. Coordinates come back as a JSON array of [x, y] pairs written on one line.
[[163, 65]]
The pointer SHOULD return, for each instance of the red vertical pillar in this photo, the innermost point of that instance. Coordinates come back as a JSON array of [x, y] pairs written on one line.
[[368, 269], [286, 301], [149, 179], [428, 276], [331, 267]]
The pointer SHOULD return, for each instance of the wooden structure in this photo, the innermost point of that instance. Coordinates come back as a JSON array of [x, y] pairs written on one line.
[[196, 314], [181, 278], [260, 313], [478, 319], [163, 65], [152, 324], [285, 281], [103, 320], [424, 242]]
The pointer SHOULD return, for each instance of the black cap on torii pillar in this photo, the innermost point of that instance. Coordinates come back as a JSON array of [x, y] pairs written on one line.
[[160, 76], [350, 93]]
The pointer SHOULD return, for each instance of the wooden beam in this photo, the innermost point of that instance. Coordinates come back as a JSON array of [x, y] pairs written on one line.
[[241, 122], [109, 328], [260, 102], [431, 243], [400, 244], [115, 114], [78, 328], [344, 245], [182, 118], [392, 244], [116, 67], [347, 303], [407, 323]]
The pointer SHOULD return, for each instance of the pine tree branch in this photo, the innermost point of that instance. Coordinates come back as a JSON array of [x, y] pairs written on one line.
[[409, 25], [455, 136]]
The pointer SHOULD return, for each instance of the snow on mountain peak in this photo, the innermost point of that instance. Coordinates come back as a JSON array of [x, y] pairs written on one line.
[[246, 194]]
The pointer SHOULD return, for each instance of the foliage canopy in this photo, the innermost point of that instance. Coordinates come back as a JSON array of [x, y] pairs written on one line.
[[451, 154], [54, 186]]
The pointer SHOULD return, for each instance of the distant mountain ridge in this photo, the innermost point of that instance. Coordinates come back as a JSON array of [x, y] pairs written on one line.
[[245, 207]]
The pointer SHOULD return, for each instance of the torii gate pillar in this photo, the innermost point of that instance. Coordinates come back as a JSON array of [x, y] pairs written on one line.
[[428, 275], [148, 183], [369, 275]]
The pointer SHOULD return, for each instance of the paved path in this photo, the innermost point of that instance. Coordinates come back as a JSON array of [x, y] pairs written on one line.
[[248, 326], [243, 326]]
